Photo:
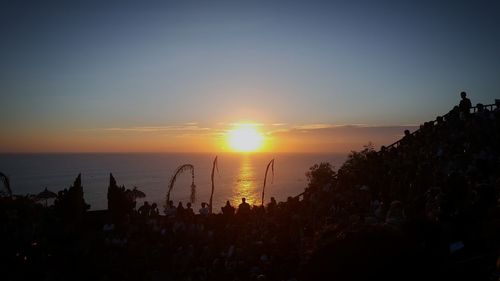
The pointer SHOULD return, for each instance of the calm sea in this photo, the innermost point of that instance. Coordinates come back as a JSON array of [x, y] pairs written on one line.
[[240, 175]]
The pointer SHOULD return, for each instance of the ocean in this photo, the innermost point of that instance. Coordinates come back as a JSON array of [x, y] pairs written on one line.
[[240, 175]]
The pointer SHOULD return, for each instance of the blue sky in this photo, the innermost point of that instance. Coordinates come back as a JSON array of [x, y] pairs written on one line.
[[84, 66]]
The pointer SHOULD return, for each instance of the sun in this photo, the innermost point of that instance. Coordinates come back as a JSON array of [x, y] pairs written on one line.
[[245, 138]]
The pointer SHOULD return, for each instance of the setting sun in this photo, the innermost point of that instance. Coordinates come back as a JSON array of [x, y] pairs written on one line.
[[245, 138]]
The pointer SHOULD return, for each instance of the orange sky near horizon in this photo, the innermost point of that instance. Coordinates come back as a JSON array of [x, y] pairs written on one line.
[[193, 137]]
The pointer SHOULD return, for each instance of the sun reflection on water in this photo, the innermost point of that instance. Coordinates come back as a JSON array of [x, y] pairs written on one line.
[[245, 185]]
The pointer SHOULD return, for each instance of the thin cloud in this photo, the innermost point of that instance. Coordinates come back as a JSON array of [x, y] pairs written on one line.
[[314, 126], [247, 124], [146, 129], [321, 126]]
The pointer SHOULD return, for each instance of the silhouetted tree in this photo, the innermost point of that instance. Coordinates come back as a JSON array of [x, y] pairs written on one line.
[[320, 176], [357, 167]]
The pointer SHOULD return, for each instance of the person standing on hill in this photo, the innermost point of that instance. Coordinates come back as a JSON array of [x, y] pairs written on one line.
[[464, 106]]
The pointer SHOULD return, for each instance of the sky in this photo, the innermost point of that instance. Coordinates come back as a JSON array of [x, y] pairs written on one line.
[[315, 76]]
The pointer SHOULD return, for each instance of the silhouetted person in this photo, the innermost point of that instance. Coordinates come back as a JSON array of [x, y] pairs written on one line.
[[271, 207], [154, 210], [439, 120], [480, 107], [189, 210], [408, 138], [482, 115], [464, 106], [228, 210], [204, 211], [145, 209], [244, 207], [180, 209], [482, 112], [170, 209]]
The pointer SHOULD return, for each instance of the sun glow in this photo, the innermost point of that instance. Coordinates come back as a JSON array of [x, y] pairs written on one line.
[[245, 138]]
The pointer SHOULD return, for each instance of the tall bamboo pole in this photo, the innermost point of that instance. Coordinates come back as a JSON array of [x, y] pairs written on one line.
[[270, 164], [178, 171], [214, 166]]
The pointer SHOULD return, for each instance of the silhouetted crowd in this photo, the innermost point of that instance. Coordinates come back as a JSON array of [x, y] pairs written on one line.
[[424, 208]]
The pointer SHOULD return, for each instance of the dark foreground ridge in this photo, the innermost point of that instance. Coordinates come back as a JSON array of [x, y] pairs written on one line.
[[425, 208]]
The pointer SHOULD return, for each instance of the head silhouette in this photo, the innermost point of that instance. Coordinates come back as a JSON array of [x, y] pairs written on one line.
[[463, 95], [243, 199]]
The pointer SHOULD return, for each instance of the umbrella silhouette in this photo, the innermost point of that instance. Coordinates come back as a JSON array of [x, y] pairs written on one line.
[[136, 193], [45, 195]]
